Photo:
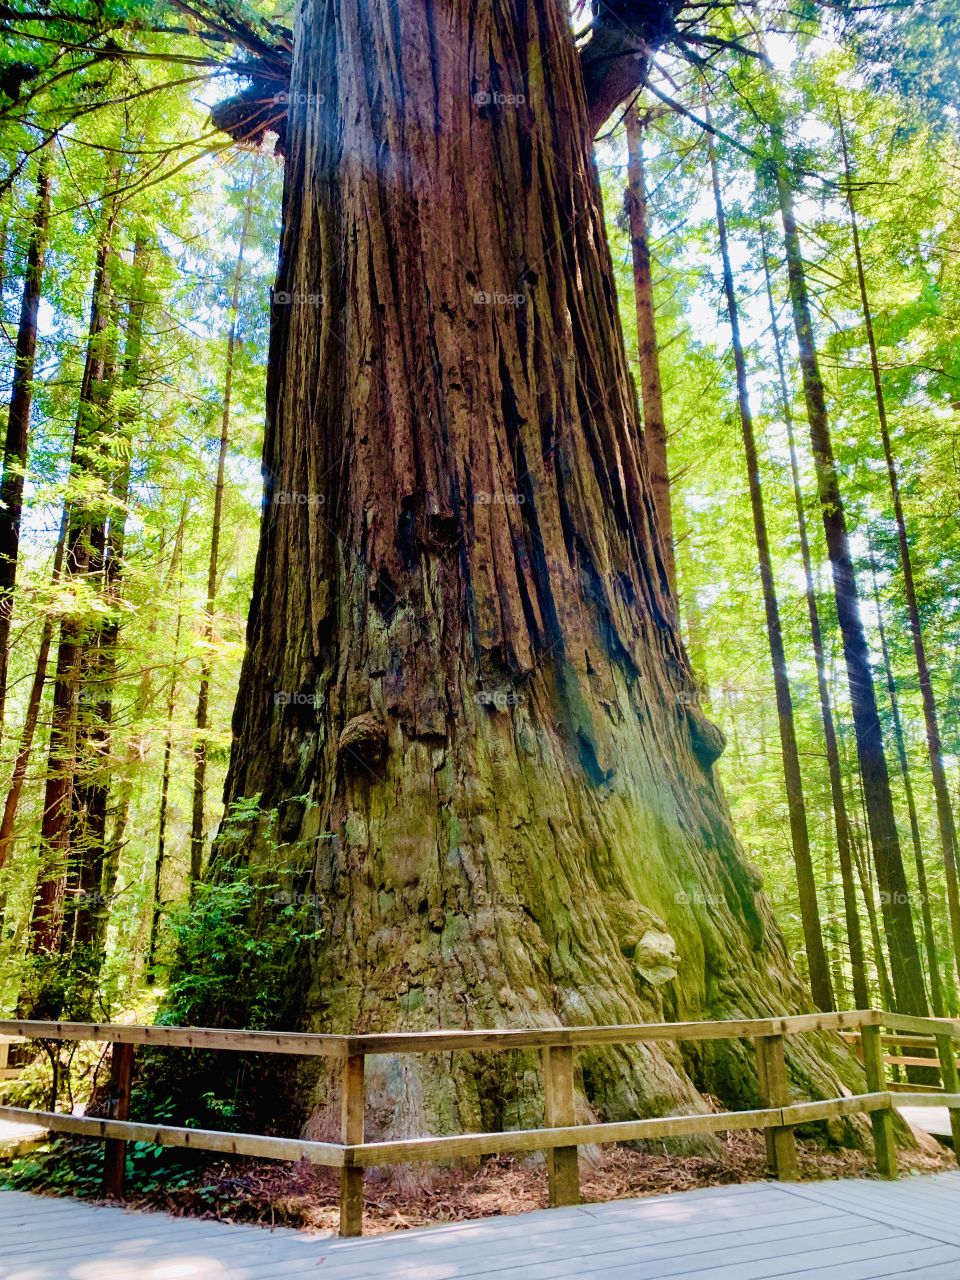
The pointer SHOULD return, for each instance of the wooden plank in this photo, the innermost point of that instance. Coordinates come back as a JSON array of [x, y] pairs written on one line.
[[237, 1144], [882, 1121], [903, 1060], [903, 1086], [351, 1133], [928, 1026], [775, 1092], [550, 1037], [891, 1038], [563, 1169], [925, 1097], [118, 1108], [830, 1108], [308, 1045], [402, 1150], [494, 1039], [951, 1085]]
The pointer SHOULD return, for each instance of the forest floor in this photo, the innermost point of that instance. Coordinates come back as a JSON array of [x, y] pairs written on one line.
[[304, 1195]]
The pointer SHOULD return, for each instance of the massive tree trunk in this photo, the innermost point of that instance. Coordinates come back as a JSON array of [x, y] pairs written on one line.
[[18, 415], [905, 965], [465, 705], [793, 780]]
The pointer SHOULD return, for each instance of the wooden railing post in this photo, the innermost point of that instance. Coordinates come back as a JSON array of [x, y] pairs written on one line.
[[882, 1121], [563, 1169], [351, 1134], [947, 1049], [774, 1092], [118, 1108]]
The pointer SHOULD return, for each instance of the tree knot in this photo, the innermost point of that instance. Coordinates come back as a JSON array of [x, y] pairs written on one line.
[[363, 740]]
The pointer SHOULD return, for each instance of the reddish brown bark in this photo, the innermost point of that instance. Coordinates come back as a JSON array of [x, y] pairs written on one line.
[[462, 662]]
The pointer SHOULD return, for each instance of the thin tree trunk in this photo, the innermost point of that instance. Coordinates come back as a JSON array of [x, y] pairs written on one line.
[[203, 696], [18, 416], [99, 865], [806, 879], [905, 964], [80, 555], [156, 905], [12, 802], [144, 697], [841, 821], [654, 421], [873, 923], [941, 788], [936, 987]]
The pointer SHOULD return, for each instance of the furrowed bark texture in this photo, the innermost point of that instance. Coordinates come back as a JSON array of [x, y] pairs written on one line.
[[465, 703]]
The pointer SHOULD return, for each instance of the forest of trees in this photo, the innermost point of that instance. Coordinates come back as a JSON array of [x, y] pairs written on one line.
[[600, 435]]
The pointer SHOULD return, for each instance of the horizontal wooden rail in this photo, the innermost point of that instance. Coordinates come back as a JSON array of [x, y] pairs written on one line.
[[492, 1040], [168, 1135], [560, 1138], [291, 1042]]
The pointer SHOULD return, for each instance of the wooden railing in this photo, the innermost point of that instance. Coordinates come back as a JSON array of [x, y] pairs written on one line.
[[561, 1136]]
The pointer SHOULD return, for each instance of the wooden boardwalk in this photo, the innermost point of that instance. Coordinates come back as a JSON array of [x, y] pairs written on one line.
[[849, 1230]]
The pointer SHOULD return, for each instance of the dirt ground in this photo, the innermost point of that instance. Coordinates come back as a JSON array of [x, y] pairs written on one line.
[[305, 1195]]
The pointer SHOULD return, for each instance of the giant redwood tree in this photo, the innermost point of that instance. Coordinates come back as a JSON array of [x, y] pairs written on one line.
[[465, 706]]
